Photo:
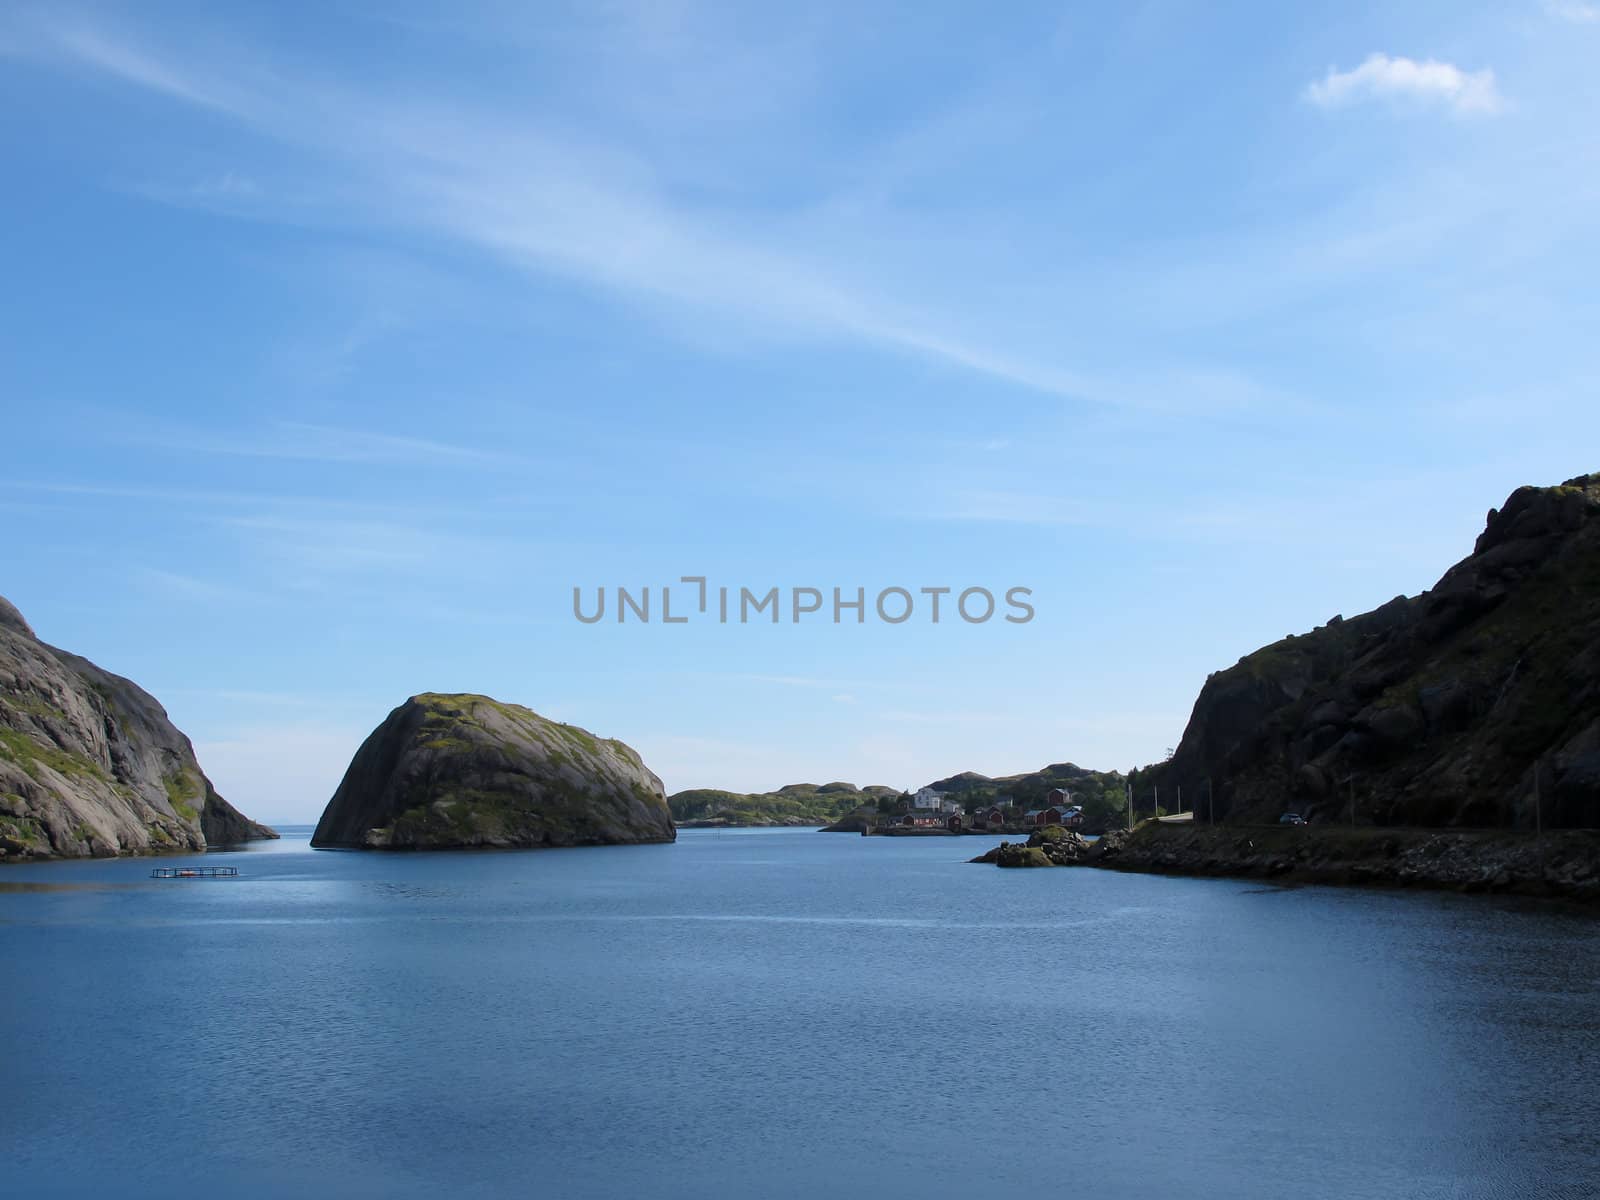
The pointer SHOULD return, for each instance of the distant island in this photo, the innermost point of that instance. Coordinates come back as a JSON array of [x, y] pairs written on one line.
[[465, 771], [843, 807], [792, 804]]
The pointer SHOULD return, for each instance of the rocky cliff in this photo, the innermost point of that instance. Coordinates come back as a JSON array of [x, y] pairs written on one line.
[[91, 766], [455, 771], [1470, 704]]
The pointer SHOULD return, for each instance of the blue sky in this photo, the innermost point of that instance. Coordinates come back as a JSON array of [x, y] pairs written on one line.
[[341, 341]]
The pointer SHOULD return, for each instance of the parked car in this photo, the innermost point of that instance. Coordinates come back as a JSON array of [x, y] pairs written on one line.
[[1291, 819]]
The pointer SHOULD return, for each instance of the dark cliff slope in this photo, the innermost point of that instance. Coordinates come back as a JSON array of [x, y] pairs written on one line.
[[455, 771], [1455, 707], [90, 764]]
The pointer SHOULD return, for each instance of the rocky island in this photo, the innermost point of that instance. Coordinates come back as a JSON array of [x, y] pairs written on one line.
[[90, 766], [449, 772]]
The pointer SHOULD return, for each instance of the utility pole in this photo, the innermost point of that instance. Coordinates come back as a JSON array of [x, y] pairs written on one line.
[[1538, 816], [1155, 805], [1130, 806]]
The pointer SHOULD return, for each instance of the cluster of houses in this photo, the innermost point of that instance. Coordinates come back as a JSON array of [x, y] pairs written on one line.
[[935, 810]]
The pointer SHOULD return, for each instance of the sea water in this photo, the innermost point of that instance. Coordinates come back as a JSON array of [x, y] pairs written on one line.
[[781, 1013]]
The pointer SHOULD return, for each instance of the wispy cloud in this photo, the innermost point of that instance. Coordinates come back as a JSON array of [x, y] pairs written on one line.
[[1382, 77], [1010, 507], [176, 585], [126, 62], [947, 717], [327, 443], [533, 197], [1573, 10], [204, 503], [357, 546], [800, 681]]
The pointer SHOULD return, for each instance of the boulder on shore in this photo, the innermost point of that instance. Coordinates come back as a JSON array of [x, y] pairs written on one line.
[[1051, 846]]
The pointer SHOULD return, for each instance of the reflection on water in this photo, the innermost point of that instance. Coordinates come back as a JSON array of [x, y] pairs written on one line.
[[18, 885], [783, 1014]]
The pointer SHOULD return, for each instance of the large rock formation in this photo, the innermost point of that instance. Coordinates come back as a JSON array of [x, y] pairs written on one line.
[[1467, 705], [90, 765], [447, 772]]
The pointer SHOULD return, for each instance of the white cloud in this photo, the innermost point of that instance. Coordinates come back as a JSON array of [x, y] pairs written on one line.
[[1573, 10], [1382, 77]]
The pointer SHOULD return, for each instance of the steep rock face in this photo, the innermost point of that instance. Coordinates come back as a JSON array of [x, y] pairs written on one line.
[[90, 764], [1455, 707], [455, 771]]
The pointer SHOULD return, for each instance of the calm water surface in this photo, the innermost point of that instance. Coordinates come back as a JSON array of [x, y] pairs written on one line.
[[782, 1014]]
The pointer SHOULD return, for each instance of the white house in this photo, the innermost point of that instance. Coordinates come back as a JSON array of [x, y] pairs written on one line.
[[935, 801]]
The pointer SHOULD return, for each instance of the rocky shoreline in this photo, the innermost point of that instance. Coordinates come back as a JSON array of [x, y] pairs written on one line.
[[1562, 864]]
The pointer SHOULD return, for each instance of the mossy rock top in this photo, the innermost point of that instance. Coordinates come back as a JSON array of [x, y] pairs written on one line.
[[460, 770]]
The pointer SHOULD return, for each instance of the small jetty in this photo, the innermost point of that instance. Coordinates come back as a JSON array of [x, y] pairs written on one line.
[[195, 873]]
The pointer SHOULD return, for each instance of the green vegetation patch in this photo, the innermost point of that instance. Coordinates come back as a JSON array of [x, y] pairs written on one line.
[[579, 737], [30, 754], [626, 751], [182, 786], [33, 706], [24, 830]]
